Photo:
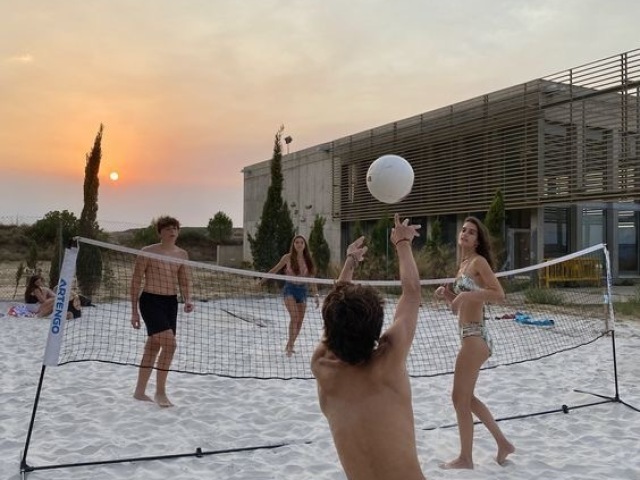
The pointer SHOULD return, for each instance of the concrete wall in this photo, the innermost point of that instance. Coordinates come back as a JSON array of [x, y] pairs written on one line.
[[229, 255], [307, 189]]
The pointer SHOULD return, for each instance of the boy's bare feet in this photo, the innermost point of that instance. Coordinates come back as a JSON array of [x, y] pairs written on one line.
[[503, 452], [142, 397], [162, 400], [458, 463]]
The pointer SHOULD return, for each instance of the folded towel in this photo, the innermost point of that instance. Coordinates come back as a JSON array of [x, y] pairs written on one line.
[[20, 310], [525, 319]]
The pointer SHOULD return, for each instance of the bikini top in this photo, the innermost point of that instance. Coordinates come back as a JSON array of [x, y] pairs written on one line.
[[464, 283], [304, 271]]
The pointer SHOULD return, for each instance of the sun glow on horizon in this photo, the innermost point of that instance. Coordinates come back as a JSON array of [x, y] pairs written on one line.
[[114, 176]]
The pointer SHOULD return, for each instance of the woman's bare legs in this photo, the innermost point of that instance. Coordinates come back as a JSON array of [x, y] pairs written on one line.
[[46, 307], [296, 316], [473, 353], [505, 448]]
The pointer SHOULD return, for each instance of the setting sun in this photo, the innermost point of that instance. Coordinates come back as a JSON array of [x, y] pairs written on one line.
[[114, 176]]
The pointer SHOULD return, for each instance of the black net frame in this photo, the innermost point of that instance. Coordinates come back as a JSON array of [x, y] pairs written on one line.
[[522, 330]]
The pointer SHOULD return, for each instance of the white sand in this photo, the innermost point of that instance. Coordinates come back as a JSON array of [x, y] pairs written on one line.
[[86, 414]]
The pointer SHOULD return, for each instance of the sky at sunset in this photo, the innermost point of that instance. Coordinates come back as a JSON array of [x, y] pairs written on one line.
[[192, 91]]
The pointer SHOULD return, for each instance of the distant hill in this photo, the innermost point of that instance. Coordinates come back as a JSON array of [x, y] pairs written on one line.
[[14, 243]]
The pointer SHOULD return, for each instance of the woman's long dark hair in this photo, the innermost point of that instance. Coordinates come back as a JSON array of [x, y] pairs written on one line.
[[306, 253], [484, 241], [31, 287]]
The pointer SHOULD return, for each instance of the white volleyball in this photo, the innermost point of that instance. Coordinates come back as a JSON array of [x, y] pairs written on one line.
[[390, 178]]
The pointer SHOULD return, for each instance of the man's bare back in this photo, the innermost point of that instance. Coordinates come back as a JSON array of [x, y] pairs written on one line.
[[363, 384], [350, 396]]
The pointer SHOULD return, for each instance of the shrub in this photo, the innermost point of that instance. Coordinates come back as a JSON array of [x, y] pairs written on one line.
[[436, 261], [543, 296]]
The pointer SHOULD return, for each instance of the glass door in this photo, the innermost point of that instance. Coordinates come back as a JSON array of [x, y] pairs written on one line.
[[628, 222]]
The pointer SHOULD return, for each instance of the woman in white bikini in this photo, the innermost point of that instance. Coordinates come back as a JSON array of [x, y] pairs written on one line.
[[474, 285], [296, 263]]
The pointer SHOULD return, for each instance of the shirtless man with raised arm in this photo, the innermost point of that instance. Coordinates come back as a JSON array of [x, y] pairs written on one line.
[[158, 305], [363, 384]]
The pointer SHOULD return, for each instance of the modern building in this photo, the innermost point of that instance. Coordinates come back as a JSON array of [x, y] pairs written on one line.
[[564, 150]]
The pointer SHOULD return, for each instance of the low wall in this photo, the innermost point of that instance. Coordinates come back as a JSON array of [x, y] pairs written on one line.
[[229, 255]]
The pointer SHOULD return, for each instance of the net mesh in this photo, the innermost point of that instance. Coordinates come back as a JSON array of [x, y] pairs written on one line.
[[239, 329]]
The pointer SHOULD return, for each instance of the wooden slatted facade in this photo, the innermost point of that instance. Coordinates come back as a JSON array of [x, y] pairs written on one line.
[[568, 138], [564, 150]]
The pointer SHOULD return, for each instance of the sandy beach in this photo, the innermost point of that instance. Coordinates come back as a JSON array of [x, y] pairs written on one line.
[[87, 414]]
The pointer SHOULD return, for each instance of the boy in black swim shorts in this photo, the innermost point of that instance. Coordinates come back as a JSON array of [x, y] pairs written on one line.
[[154, 296]]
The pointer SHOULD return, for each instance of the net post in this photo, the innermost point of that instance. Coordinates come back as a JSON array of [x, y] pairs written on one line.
[[24, 466], [610, 319], [615, 366], [615, 375], [54, 341], [59, 313]]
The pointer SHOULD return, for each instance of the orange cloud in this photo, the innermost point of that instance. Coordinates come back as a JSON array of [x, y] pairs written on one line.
[[24, 58]]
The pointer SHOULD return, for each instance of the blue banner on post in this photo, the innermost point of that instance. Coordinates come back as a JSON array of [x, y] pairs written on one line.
[[59, 314]]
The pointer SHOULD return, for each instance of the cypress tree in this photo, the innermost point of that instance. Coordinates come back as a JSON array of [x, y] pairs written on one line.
[[435, 235], [494, 221], [274, 231], [381, 254], [379, 243], [319, 246], [89, 262]]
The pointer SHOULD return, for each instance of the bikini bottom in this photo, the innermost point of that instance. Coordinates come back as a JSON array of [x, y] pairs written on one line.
[[476, 329]]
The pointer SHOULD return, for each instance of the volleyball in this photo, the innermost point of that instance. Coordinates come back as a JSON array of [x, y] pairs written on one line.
[[390, 178]]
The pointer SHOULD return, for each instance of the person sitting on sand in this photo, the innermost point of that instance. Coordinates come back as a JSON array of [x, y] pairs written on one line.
[[40, 299]]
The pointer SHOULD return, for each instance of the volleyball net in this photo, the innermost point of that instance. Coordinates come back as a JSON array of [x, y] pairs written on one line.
[[240, 326]]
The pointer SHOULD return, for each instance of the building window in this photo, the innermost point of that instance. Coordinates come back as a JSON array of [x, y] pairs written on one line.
[[592, 227], [556, 232], [628, 223]]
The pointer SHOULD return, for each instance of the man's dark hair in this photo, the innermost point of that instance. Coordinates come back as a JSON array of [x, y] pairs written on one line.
[[166, 221], [353, 316]]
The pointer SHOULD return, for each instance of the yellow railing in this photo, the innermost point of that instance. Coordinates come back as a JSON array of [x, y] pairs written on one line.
[[587, 270]]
